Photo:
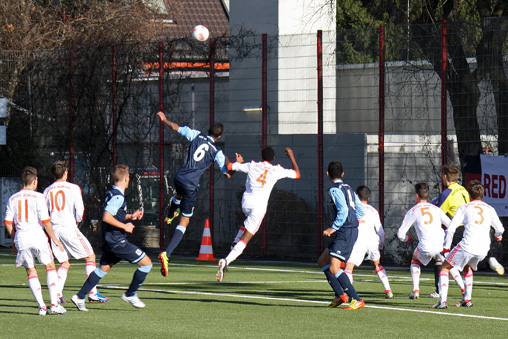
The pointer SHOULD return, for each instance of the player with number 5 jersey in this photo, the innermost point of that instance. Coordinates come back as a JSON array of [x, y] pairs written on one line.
[[261, 177], [427, 220], [66, 209], [202, 153]]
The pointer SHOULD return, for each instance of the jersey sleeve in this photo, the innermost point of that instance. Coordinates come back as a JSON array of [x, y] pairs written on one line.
[[241, 167], [458, 219], [496, 224], [220, 159], [444, 218], [9, 215], [378, 227], [408, 221], [42, 209], [360, 211], [189, 133], [340, 202], [114, 204], [79, 207]]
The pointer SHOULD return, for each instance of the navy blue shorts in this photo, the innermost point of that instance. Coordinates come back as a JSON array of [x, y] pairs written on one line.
[[343, 244], [112, 253], [189, 194]]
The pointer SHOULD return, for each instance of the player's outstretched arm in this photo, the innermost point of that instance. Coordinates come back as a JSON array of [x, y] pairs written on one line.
[[291, 156], [110, 219], [171, 124]]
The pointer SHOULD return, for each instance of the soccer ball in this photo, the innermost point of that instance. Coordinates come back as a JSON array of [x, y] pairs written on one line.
[[200, 33]]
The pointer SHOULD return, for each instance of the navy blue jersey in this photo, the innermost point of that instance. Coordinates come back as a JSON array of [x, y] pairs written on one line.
[[201, 154], [116, 206], [350, 203]]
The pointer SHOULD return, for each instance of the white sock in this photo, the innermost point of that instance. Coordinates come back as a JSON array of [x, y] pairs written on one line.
[[444, 282], [36, 288], [454, 272], [415, 275], [468, 277], [241, 231], [90, 266], [381, 273], [52, 281], [349, 274], [235, 252], [62, 277]]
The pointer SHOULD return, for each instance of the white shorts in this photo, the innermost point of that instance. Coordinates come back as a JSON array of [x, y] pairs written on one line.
[[364, 250], [426, 257], [254, 219], [40, 250], [75, 244], [459, 258]]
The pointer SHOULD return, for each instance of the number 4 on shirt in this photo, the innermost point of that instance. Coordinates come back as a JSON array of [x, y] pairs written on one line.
[[262, 178]]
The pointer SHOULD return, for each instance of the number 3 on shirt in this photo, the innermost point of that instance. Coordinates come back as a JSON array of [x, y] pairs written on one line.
[[262, 178]]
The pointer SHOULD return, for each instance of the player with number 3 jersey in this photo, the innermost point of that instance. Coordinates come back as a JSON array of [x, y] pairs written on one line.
[[477, 217], [202, 153], [261, 177]]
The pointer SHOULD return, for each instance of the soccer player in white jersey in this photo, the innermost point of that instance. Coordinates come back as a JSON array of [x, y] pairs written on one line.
[[26, 218], [261, 177], [65, 204], [371, 238], [427, 219], [477, 218]]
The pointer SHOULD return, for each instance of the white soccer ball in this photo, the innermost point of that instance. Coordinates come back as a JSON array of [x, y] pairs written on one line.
[[200, 33]]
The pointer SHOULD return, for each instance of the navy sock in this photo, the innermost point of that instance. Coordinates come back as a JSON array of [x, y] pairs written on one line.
[[334, 283], [175, 240], [437, 270], [347, 286], [138, 279], [91, 282]]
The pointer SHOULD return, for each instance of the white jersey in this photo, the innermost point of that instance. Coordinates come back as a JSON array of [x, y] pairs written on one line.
[[477, 218], [427, 219], [65, 204], [370, 228], [261, 177], [27, 211]]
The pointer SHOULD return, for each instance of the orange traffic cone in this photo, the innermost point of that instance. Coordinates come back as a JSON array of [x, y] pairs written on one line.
[[206, 250]]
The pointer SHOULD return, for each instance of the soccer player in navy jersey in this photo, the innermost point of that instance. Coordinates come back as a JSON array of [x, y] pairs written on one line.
[[348, 209], [115, 245], [201, 154]]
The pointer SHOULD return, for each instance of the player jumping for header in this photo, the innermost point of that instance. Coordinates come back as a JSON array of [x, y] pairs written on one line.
[[201, 154], [261, 177]]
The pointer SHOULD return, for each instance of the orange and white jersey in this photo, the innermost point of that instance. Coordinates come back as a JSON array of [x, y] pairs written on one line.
[[370, 228], [65, 204], [427, 219], [477, 218], [27, 211], [261, 177]]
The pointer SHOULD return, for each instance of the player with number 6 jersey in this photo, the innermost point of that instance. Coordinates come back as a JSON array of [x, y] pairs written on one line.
[[427, 220], [66, 209], [261, 177], [202, 153]]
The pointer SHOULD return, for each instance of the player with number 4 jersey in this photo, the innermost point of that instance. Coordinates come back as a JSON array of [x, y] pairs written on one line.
[[202, 153], [261, 177], [66, 209]]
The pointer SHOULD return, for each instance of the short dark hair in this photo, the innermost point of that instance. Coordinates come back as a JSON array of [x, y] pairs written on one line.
[[475, 189], [363, 193], [58, 169], [268, 154], [422, 189], [119, 172], [451, 172], [28, 175], [335, 170], [216, 130]]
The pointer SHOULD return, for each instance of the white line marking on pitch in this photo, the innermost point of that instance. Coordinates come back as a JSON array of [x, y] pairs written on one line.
[[305, 301]]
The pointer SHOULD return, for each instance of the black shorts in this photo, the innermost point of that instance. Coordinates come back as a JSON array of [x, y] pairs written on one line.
[[113, 253], [343, 244], [189, 194]]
